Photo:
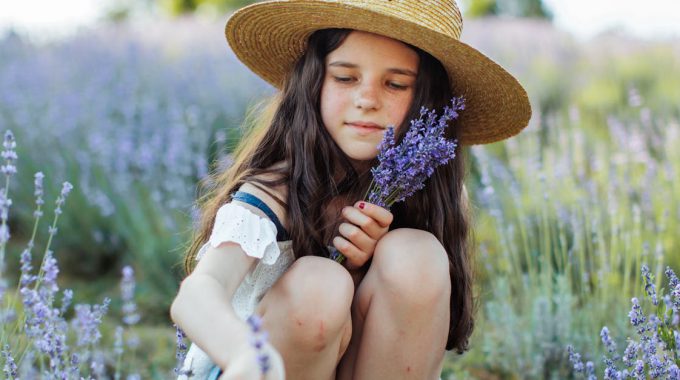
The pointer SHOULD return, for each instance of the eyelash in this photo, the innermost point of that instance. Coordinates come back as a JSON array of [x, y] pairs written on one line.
[[392, 84]]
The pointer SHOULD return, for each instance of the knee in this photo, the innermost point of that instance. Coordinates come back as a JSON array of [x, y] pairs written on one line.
[[412, 265], [319, 295]]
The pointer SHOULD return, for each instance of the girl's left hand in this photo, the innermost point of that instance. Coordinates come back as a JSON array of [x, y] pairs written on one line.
[[366, 224]]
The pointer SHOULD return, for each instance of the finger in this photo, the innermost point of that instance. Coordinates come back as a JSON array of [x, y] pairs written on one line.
[[355, 257], [381, 215], [367, 224], [357, 237]]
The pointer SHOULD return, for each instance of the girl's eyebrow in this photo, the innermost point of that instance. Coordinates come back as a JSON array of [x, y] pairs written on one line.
[[394, 70]]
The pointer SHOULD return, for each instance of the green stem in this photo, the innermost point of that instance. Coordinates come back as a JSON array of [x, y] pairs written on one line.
[[4, 225], [12, 304]]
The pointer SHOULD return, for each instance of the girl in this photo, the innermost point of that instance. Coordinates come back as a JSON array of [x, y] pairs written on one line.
[[346, 70]]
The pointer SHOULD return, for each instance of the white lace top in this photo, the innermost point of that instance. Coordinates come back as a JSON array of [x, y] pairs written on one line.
[[257, 237]]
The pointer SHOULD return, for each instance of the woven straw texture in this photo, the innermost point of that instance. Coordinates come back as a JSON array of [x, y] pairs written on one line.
[[268, 37]]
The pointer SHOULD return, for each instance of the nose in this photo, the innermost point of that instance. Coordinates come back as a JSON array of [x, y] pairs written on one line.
[[366, 97]]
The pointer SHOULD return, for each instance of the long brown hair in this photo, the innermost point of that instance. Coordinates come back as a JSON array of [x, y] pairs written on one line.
[[290, 129]]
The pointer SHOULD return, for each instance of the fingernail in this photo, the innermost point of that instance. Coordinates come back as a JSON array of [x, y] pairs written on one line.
[[362, 205]]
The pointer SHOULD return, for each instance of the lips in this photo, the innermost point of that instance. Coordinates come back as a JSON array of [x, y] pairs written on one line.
[[365, 129], [363, 124]]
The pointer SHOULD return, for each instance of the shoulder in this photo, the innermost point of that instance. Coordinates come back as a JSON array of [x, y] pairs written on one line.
[[272, 196]]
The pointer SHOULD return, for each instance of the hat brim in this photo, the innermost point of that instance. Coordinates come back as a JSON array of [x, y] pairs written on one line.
[[269, 37]]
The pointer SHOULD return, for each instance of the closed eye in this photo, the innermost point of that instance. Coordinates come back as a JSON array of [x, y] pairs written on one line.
[[397, 86], [343, 79], [349, 79]]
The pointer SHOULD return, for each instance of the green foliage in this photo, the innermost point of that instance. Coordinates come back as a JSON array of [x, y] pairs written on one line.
[[564, 223], [515, 8], [479, 8], [177, 7]]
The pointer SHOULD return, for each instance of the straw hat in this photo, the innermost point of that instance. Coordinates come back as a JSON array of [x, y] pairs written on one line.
[[270, 36]]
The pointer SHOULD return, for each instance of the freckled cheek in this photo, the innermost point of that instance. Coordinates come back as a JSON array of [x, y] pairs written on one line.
[[399, 110], [333, 105]]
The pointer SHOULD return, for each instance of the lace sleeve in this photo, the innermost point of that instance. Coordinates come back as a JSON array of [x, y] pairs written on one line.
[[255, 234]]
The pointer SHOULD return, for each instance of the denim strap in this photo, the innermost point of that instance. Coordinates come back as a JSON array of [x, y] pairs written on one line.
[[281, 233], [215, 373]]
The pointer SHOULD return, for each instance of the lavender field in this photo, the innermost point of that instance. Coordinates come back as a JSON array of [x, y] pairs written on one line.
[[574, 218]]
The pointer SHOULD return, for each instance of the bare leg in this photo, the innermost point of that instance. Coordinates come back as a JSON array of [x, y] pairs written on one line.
[[307, 315], [400, 311]]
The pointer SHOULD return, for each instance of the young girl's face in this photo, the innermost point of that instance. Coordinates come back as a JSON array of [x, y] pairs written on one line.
[[369, 84]]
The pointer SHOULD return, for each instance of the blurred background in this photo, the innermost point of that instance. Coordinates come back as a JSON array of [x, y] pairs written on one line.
[[134, 102]]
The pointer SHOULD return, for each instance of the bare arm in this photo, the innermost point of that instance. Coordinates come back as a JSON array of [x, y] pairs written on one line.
[[202, 307]]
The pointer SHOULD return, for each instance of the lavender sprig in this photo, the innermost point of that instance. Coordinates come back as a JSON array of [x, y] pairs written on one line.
[[10, 367], [127, 290], [181, 351], [404, 168], [8, 169], [258, 340]]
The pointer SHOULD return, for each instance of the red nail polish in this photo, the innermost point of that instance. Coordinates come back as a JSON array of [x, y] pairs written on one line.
[[362, 205]]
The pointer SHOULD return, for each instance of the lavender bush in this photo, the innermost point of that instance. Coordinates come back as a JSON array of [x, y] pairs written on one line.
[[655, 353], [43, 335], [133, 115], [563, 222]]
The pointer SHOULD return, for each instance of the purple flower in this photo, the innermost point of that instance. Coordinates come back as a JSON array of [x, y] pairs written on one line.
[[636, 317], [9, 154], [575, 359], [674, 372], [65, 190], [674, 285], [87, 321], [404, 168], [181, 351], [258, 339], [25, 259], [127, 290], [607, 341], [630, 353], [98, 365], [66, 299], [672, 278], [649, 284], [38, 184], [590, 371], [610, 371], [10, 367], [50, 270], [640, 369], [5, 204], [656, 367]]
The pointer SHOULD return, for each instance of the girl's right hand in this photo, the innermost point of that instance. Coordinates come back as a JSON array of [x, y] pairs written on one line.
[[245, 366], [365, 225]]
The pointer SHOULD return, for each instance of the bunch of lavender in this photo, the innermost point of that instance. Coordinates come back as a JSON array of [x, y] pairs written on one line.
[[656, 353], [403, 168], [36, 339]]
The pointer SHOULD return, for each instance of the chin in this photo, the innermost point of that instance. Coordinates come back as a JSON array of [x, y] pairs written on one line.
[[361, 156]]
